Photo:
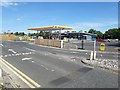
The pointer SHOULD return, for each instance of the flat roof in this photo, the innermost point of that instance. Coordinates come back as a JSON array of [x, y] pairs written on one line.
[[48, 28]]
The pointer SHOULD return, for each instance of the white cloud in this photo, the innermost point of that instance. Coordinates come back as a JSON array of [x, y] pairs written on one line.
[[18, 19], [6, 3], [94, 25]]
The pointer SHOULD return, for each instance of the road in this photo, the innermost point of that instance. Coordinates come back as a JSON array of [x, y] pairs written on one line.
[[52, 67]]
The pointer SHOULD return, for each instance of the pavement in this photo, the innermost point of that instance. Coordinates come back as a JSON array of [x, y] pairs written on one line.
[[111, 65], [55, 68], [8, 79]]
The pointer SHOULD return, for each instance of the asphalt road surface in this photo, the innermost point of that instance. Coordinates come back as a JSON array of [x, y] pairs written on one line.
[[57, 68]]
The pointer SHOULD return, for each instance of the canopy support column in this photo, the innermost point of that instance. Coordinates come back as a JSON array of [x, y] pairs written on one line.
[[37, 34]]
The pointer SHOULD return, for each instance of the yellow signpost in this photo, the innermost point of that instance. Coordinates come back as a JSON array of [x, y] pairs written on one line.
[[102, 46], [28, 38], [20, 38], [65, 39]]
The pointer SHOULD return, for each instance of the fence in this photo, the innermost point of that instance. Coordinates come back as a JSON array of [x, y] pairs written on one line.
[[112, 46], [48, 42], [7, 37]]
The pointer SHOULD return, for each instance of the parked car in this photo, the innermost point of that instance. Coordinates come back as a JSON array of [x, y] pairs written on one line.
[[100, 40], [108, 40]]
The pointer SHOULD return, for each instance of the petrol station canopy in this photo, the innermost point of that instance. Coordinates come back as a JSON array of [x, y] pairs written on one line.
[[48, 28]]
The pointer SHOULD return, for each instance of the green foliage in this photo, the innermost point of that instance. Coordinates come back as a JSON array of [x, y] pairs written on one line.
[[73, 31], [112, 33], [19, 33], [99, 34], [92, 31], [45, 34]]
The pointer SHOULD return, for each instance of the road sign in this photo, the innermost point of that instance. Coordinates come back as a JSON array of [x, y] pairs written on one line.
[[102, 46]]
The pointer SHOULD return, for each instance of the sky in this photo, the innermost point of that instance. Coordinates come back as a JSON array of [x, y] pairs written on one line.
[[19, 16]]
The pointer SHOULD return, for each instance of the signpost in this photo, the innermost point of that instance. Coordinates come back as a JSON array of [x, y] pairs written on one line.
[[94, 52]]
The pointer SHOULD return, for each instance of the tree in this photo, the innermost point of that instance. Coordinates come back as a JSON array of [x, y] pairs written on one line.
[[5, 33], [16, 33], [11, 33], [85, 31], [99, 34], [19, 33], [73, 31], [112, 34], [80, 31], [92, 31]]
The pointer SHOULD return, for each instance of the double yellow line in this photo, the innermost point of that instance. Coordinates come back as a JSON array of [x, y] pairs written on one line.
[[31, 83]]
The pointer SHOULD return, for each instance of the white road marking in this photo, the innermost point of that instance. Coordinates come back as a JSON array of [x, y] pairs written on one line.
[[26, 59], [2, 45], [74, 52], [13, 54], [42, 65], [9, 55], [23, 53], [17, 54], [46, 68], [85, 53], [5, 56], [101, 55], [30, 52], [26, 53], [73, 59], [29, 49], [32, 61], [52, 70], [12, 51]]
